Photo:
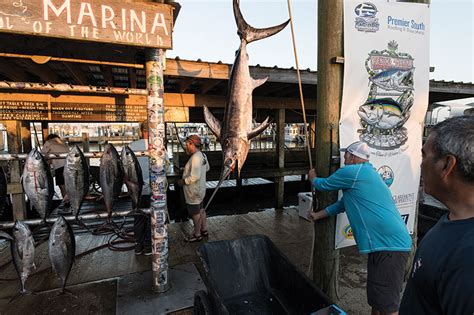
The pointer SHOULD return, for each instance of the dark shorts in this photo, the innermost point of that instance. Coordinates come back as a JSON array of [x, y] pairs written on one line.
[[385, 273], [59, 175], [194, 209]]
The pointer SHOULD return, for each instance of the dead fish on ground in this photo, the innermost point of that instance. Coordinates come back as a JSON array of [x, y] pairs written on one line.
[[62, 250], [133, 176], [76, 179], [23, 252], [38, 183], [237, 130], [111, 176]]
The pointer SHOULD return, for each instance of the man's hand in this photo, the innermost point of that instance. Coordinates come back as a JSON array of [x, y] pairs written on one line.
[[314, 216], [311, 175], [181, 182]]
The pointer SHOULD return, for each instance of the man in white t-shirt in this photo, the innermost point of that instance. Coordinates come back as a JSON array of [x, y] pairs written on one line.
[[194, 186]]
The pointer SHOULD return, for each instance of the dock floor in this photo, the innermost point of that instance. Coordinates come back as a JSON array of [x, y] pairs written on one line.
[[102, 268]]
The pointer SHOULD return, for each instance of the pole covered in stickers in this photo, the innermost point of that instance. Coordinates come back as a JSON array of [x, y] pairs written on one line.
[[155, 64]]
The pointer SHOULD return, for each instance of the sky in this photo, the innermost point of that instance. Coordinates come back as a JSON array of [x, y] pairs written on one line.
[[206, 30]]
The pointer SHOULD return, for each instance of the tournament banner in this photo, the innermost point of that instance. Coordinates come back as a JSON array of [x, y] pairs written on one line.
[[385, 95]]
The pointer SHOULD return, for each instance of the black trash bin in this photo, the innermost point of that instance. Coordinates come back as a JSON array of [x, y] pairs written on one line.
[[250, 275]]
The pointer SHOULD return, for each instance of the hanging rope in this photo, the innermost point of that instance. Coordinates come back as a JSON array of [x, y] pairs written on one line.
[[300, 85], [313, 192]]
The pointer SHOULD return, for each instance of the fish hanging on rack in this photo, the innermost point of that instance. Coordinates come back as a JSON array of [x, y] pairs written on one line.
[[236, 131], [23, 253], [76, 179], [111, 176], [37, 183], [62, 250]]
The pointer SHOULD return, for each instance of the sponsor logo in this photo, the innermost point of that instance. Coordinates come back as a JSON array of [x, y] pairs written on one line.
[[365, 20], [347, 232], [387, 175]]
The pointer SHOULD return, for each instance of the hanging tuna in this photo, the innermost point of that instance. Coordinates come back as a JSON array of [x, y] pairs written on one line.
[[62, 250], [111, 176], [76, 179], [23, 252], [38, 183], [133, 176]]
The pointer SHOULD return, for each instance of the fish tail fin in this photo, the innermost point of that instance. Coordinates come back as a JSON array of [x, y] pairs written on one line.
[[249, 33]]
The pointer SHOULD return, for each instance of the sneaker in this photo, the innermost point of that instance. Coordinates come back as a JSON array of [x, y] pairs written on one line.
[[147, 250], [138, 249]]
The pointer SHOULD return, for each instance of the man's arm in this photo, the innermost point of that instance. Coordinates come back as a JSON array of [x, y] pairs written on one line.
[[335, 208], [343, 178]]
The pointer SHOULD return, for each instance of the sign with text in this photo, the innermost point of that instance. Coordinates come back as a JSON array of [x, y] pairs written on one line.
[[385, 96], [36, 107], [143, 24]]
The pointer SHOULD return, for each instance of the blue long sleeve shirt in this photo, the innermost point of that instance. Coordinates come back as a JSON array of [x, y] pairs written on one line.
[[375, 221]]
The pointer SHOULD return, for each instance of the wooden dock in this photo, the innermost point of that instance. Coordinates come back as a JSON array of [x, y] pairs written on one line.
[[292, 234]]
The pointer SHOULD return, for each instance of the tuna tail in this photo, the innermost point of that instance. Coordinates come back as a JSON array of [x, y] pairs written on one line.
[[225, 173], [250, 34]]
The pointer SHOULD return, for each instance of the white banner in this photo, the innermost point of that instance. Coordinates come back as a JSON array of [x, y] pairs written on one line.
[[385, 96]]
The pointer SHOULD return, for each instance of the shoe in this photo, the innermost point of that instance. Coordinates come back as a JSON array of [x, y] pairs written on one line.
[[147, 250], [138, 249], [194, 238]]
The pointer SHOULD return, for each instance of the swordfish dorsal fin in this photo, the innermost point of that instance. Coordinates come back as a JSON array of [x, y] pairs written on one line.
[[213, 123], [258, 82], [256, 131], [249, 33]]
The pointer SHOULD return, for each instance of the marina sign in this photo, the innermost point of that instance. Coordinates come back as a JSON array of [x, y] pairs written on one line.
[[123, 22]]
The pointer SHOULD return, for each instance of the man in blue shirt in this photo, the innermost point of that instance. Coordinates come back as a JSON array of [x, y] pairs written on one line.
[[376, 224]]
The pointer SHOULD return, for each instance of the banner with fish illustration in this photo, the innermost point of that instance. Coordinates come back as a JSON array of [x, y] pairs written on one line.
[[385, 95]]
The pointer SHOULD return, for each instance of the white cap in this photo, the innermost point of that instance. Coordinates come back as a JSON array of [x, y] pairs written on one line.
[[359, 149]]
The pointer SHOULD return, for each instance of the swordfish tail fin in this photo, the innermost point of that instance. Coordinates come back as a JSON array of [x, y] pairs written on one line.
[[249, 33]]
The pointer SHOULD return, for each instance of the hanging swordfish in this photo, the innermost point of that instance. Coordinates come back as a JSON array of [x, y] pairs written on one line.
[[236, 130]]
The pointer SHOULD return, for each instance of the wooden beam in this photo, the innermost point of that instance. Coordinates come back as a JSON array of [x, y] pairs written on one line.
[[280, 181], [451, 87], [76, 73], [197, 69], [193, 100], [14, 146], [208, 85]]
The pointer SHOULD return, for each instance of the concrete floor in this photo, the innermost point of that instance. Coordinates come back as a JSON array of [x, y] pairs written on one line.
[[94, 277]]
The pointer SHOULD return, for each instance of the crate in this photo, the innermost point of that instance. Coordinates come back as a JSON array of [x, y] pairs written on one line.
[[305, 204]]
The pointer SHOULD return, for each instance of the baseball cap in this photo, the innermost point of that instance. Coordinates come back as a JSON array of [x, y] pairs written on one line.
[[194, 139], [359, 149]]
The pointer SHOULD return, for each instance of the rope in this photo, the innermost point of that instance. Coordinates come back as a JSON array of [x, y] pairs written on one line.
[[313, 192], [300, 85]]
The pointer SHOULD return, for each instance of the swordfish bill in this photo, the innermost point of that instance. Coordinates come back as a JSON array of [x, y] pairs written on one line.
[[236, 131]]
